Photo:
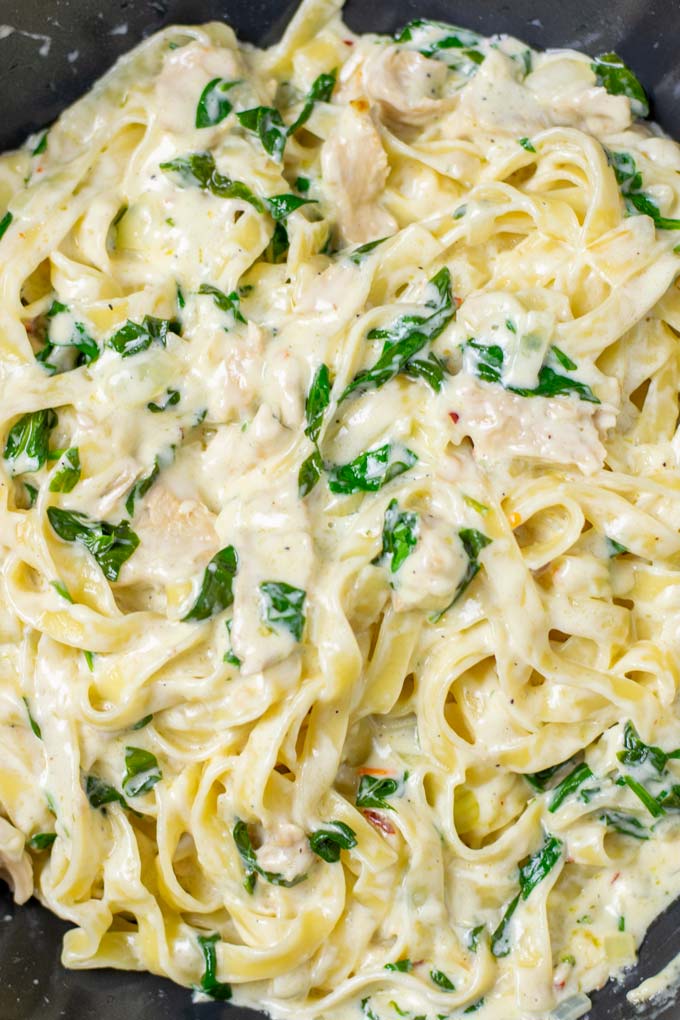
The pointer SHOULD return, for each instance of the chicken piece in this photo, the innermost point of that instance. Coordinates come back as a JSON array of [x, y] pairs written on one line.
[[355, 169], [429, 577], [176, 539], [502, 424], [406, 85], [186, 72], [285, 851]]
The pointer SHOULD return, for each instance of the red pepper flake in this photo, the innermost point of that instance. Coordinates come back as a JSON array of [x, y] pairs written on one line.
[[615, 878], [458, 301], [559, 984], [348, 42], [454, 416], [375, 818]]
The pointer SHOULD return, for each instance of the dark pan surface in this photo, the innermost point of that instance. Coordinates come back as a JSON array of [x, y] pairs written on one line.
[[85, 37]]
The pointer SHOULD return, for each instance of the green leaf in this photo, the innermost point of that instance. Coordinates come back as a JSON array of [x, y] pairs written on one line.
[[371, 470], [642, 793], [440, 979], [218, 990], [399, 538], [198, 169], [5, 223], [317, 401], [373, 791], [500, 940], [141, 487], [401, 966], [432, 369], [100, 793], [618, 79], [42, 145], [614, 548], [361, 253], [134, 337], [564, 359], [67, 473], [670, 799], [229, 655], [310, 473], [214, 106], [629, 179], [31, 492], [62, 590], [172, 397], [78, 338], [281, 206], [473, 542], [302, 184], [569, 785], [89, 659], [636, 752], [366, 1009], [539, 780], [320, 92], [539, 865], [487, 364], [229, 303], [627, 825], [406, 337], [31, 721], [328, 842], [527, 144], [28, 441], [455, 46], [216, 593], [251, 866], [277, 250], [110, 544], [267, 124], [142, 771], [41, 841], [142, 722], [282, 607], [473, 937]]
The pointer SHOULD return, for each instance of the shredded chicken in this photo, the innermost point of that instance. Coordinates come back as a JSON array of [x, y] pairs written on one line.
[[355, 170], [285, 851], [502, 424], [186, 72], [406, 85], [428, 578]]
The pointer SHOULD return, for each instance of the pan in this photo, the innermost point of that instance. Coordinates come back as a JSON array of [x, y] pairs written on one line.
[[51, 51]]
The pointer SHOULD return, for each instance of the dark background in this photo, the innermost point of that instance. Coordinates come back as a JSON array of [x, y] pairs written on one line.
[[33, 90]]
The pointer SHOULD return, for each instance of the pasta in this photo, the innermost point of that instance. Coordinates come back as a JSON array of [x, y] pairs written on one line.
[[339, 520]]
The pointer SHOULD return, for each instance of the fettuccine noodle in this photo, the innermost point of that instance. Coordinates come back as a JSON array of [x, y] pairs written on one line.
[[340, 520]]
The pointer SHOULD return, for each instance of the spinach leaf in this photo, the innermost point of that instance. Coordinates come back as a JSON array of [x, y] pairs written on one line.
[[475, 1006], [110, 544], [89, 659], [172, 397], [327, 843], [539, 865], [62, 590], [487, 364], [361, 253], [629, 180], [473, 543], [5, 223], [302, 184], [67, 473], [142, 771], [282, 607], [100, 793], [281, 206], [252, 868], [614, 548], [627, 825], [373, 791], [569, 785], [539, 780], [277, 250], [401, 966], [527, 144], [41, 841], [134, 337], [440, 979], [473, 937], [431, 369], [371, 470], [142, 722], [564, 359], [400, 535], [37, 732], [618, 79], [219, 990], [216, 592], [225, 302], [642, 793], [320, 92], [77, 338], [141, 487], [310, 473], [366, 1009], [28, 441], [317, 401], [670, 799], [267, 123], [456, 46], [42, 144], [406, 337], [229, 655], [636, 752], [214, 106]]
